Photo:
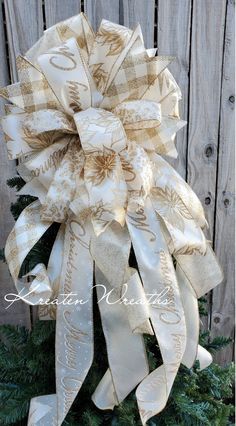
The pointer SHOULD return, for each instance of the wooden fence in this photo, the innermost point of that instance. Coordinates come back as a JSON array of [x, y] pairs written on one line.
[[200, 33]]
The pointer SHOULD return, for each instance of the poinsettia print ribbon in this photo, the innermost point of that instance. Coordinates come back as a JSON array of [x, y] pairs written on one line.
[[90, 120]]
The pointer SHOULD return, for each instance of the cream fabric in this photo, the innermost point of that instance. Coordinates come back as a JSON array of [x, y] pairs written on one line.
[[92, 116]]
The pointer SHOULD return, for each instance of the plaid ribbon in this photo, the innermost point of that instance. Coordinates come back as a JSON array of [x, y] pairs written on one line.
[[33, 92]]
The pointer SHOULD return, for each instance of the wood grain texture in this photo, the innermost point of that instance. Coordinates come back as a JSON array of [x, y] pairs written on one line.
[[173, 38], [223, 296], [207, 39], [19, 312], [140, 12], [96, 10], [204, 106], [24, 27], [24, 22], [57, 10]]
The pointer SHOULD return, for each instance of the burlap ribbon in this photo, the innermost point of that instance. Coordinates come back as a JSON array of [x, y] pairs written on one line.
[[91, 118]]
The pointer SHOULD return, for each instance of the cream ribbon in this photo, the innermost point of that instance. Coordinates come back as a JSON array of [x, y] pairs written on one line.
[[92, 116]]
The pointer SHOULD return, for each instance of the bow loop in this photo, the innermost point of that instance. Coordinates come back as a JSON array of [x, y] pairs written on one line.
[[98, 128], [69, 77], [102, 138], [138, 172], [142, 114], [63, 186], [48, 120]]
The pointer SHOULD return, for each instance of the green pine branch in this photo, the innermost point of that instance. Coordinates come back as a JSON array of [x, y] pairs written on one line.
[[21, 203], [16, 182], [215, 344], [2, 255], [27, 369]]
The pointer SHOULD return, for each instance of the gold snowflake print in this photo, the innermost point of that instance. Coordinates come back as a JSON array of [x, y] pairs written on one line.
[[170, 206], [100, 167]]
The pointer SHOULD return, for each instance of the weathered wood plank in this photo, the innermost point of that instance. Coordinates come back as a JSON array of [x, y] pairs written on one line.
[[19, 312], [96, 10], [204, 108], [140, 12], [24, 27], [57, 10], [173, 38], [207, 40], [223, 296], [24, 21]]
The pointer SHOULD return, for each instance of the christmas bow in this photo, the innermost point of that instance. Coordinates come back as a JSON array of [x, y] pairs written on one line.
[[91, 118]]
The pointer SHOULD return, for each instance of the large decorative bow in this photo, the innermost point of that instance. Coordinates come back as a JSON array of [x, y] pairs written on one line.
[[91, 118]]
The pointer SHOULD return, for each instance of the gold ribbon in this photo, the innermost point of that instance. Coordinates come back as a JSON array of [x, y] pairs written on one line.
[[91, 118]]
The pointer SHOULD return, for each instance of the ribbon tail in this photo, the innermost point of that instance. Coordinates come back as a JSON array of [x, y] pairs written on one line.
[[204, 357], [168, 321], [54, 268], [26, 233], [203, 272], [135, 301], [126, 351], [42, 411], [152, 394], [193, 351], [190, 305], [74, 329], [43, 408]]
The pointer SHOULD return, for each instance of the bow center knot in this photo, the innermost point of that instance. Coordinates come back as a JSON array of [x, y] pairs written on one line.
[[103, 137], [99, 129]]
